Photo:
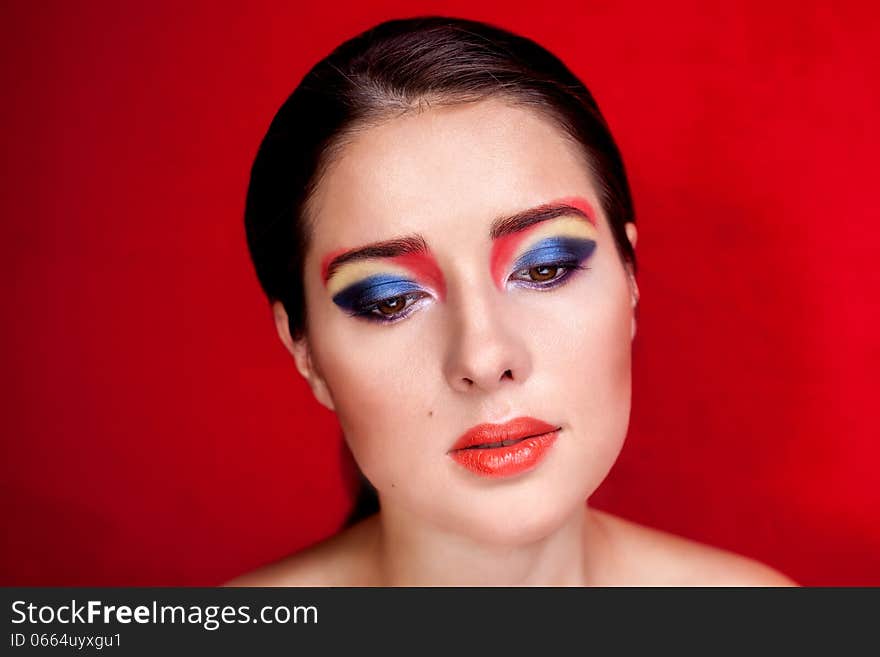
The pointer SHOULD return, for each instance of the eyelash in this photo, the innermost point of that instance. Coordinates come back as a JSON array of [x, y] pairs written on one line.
[[567, 269], [373, 314]]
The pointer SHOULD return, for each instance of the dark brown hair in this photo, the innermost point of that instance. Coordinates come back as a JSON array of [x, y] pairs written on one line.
[[396, 67]]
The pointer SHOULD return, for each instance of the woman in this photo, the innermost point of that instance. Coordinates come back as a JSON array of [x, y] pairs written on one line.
[[443, 225]]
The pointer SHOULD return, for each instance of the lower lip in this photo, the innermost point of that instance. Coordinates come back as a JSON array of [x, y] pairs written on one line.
[[507, 461]]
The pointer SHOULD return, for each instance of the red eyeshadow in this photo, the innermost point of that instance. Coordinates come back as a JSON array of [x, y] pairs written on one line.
[[425, 269], [325, 263], [581, 204], [505, 246], [503, 250], [422, 265]]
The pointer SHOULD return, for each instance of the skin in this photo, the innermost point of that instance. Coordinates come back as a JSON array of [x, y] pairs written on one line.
[[482, 349]]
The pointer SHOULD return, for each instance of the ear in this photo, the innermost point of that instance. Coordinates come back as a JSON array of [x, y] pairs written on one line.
[[633, 235], [302, 355]]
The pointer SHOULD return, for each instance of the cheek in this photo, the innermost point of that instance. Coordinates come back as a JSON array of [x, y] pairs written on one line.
[[587, 357], [600, 336], [582, 335], [381, 387]]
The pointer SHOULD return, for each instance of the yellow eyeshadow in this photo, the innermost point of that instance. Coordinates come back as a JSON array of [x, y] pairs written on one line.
[[353, 272], [563, 227]]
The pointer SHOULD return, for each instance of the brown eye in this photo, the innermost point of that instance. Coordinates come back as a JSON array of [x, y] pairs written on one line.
[[391, 306], [543, 273]]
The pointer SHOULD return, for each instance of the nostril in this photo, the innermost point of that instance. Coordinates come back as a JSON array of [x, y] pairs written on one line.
[[507, 374]]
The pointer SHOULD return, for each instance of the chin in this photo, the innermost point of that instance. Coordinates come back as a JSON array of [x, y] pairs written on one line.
[[516, 520]]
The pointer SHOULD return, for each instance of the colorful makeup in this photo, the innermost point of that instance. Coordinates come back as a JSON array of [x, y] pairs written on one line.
[[382, 281], [551, 257], [379, 295], [560, 233]]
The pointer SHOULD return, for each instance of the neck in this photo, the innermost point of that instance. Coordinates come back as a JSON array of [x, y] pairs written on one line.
[[412, 554]]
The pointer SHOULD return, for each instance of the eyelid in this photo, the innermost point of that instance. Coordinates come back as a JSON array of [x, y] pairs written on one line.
[[555, 250], [373, 290]]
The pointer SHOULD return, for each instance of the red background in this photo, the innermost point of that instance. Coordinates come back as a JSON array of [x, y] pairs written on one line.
[[149, 409]]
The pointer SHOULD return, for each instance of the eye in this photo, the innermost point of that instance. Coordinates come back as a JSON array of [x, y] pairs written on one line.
[[552, 262], [391, 309], [380, 298], [545, 276], [543, 273], [391, 306]]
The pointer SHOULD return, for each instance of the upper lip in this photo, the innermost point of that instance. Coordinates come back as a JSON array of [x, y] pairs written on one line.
[[515, 429]]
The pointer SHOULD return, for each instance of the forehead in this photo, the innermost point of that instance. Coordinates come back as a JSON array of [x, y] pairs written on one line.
[[446, 173]]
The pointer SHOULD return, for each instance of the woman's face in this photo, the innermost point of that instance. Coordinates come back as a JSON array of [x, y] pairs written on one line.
[[481, 317]]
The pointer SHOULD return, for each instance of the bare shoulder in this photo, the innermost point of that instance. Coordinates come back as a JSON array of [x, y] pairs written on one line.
[[341, 560], [646, 556]]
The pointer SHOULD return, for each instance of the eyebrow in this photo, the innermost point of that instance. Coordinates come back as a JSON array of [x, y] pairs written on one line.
[[394, 248], [501, 227], [520, 221]]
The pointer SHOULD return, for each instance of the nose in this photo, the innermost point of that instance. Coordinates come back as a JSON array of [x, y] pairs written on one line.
[[485, 350]]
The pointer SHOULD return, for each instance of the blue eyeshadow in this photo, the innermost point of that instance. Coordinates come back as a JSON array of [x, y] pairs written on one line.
[[361, 295], [556, 250]]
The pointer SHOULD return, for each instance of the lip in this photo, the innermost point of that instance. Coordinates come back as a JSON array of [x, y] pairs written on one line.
[[533, 438]]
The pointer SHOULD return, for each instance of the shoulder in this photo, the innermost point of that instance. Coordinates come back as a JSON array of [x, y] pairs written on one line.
[[341, 560], [643, 556]]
